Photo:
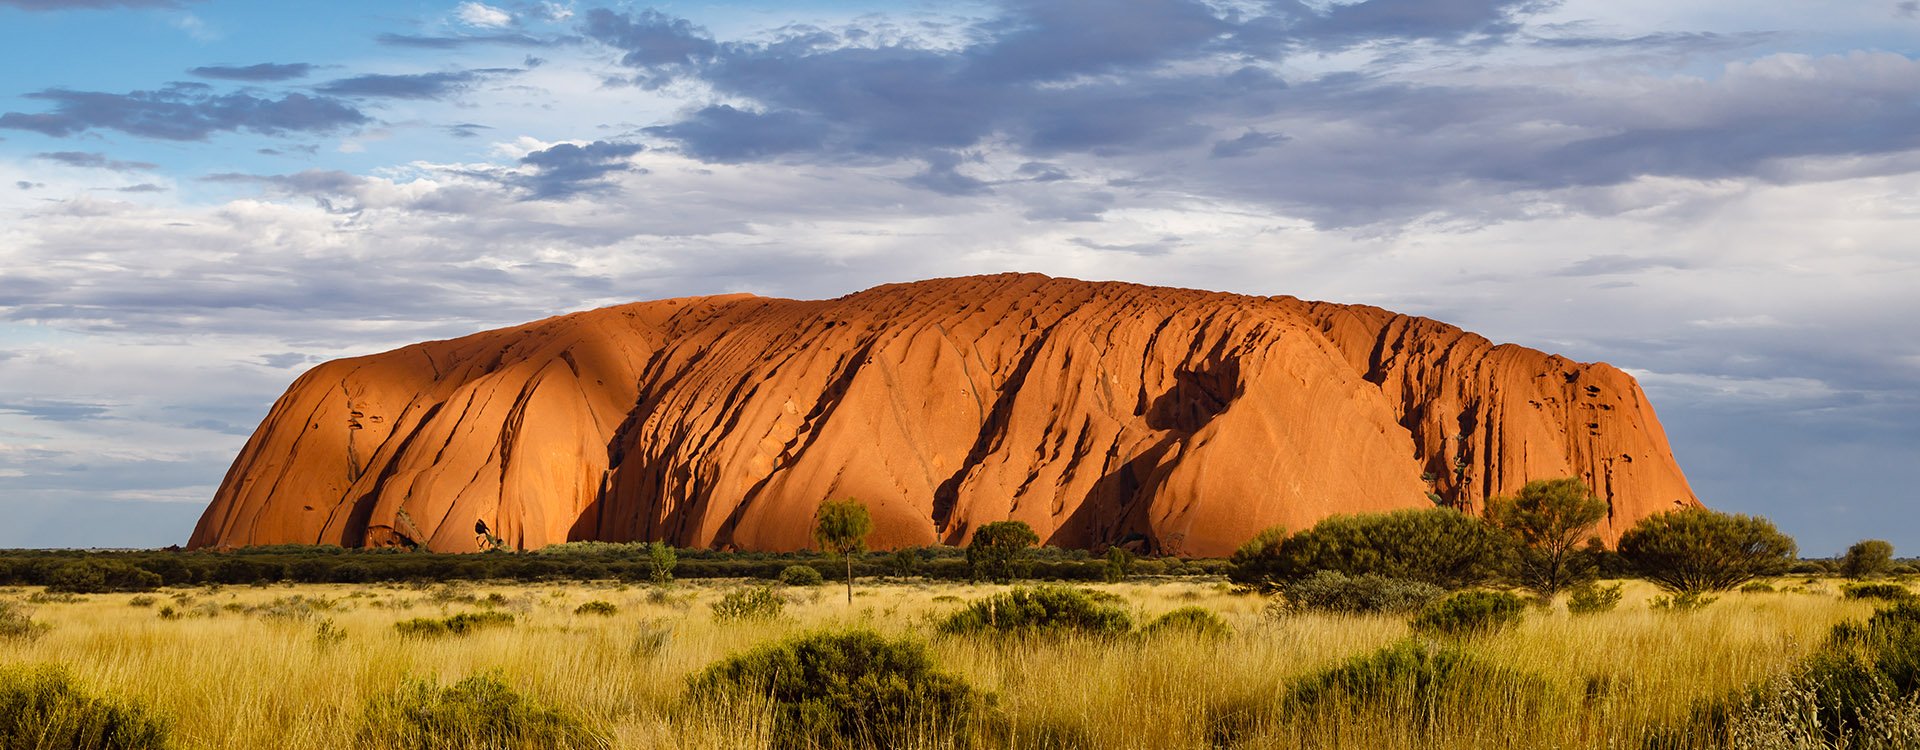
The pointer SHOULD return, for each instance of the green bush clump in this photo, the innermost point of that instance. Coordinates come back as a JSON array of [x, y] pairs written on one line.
[[1592, 599], [1758, 587], [996, 548], [1891, 592], [1438, 546], [460, 624], [42, 707], [17, 624], [477, 713], [1697, 551], [1862, 686], [801, 575], [1471, 613], [749, 604], [1369, 593], [100, 577], [1416, 684], [597, 607], [1867, 558], [1196, 621], [1682, 603], [852, 689], [1045, 609]]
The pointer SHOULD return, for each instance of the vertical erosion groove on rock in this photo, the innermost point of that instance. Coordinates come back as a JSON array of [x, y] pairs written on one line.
[[1172, 420]]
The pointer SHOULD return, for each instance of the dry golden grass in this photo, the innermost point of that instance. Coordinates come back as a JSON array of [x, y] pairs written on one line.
[[236, 681]]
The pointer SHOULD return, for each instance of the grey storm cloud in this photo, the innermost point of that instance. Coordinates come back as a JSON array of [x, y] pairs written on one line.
[[1247, 143], [182, 112], [651, 40], [95, 161], [568, 169], [411, 86], [263, 72], [1344, 24], [1134, 83]]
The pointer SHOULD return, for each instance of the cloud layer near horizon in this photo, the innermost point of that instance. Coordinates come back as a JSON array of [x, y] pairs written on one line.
[[1720, 202]]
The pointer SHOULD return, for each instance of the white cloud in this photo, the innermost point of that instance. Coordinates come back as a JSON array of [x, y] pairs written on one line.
[[483, 15]]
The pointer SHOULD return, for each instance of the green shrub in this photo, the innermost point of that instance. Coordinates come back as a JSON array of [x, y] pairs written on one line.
[[1592, 599], [41, 707], [1696, 551], [749, 604], [1470, 613], [460, 624], [1045, 609], [1438, 546], [477, 713], [17, 624], [1891, 592], [994, 551], [597, 607], [100, 577], [1867, 558], [1257, 563], [1682, 603], [801, 575], [1196, 621], [1370, 593], [1419, 685], [844, 690], [326, 635], [1757, 587], [1861, 687]]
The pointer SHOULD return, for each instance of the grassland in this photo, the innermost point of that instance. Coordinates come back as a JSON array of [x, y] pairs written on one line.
[[243, 667]]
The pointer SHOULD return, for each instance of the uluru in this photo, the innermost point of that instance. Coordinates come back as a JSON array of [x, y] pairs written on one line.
[[1172, 420]]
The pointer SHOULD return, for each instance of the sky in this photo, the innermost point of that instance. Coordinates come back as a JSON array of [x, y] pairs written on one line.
[[199, 200]]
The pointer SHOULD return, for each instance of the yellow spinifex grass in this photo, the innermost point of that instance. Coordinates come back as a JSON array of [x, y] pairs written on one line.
[[238, 681]]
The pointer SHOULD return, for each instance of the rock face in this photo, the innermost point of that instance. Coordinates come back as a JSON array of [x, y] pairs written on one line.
[[1176, 420]]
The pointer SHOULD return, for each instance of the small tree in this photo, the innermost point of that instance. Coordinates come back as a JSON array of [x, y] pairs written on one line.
[[841, 528], [1867, 558], [1553, 521], [1119, 564], [661, 558], [995, 547], [1695, 550]]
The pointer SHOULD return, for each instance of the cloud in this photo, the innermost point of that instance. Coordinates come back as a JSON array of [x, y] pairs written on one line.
[[1610, 265], [413, 86], [144, 187], [479, 14], [56, 410], [569, 169], [284, 360], [95, 161], [466, 130], [182, 112], [510, 39], [660, 45], [1247, 143], [262, 72], [1347, 24]]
